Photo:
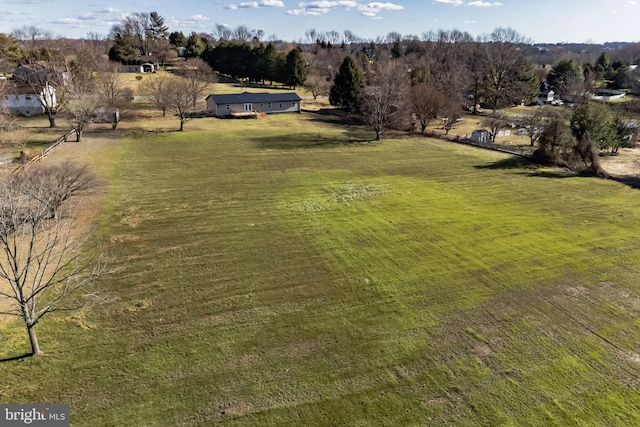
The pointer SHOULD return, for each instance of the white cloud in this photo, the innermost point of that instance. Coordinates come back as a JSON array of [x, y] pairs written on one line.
[[325, 6], [377, 18], [199, 18], [454, 2], [469, 22], [632, 2], [255, 4], [480, 3], [106, 14], [75, 21]]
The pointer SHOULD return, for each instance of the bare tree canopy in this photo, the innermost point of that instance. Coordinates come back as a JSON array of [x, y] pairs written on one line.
[[426, 103], [198, 75], [179, 99], [383, 101], [45, 266], [114, 93], [155, 89], [44, 73], [506, 68]]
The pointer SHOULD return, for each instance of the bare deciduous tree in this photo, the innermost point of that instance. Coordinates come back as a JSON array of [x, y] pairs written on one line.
[[156, 89], [317, 84], [45, 265], [32, 36], [7, 121], [534, 124], [505, 66], [451, 112], [494, 122], [45, 76], [426, 102], [82, 100], [114, 92], [198, 74], [383, 102], [179, 100]]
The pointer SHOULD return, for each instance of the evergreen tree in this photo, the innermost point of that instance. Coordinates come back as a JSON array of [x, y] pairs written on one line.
[[296, 73], [195, 46], [563, 75], [178, 39], [270, 60], [157, 29], [347, 85]]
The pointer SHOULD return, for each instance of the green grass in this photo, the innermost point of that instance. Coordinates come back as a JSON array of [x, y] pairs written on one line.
[[284, 271]]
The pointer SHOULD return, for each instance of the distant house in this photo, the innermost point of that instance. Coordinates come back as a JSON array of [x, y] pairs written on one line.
[[480, 135], [132, 69], [21, 100], [263, 102], [146, 67]]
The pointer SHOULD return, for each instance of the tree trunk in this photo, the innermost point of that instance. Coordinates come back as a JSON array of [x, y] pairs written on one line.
[[52, 121], [377, 135], [78, 134], [33, 339], [181, 124], [423, 125], [164, 112]]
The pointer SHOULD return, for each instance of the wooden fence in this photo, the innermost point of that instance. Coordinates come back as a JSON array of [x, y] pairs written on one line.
[[44, 153]]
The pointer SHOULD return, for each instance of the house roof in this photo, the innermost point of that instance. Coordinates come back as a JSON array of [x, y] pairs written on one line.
[[19, 89], [254, 97]]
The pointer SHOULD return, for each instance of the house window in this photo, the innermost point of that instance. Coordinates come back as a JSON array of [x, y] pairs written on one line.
[[268, 105], [27, 97], [228, 107], [293, 104], [281, 105]]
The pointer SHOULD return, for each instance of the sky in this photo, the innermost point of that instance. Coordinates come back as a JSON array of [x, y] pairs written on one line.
[[542, 21]]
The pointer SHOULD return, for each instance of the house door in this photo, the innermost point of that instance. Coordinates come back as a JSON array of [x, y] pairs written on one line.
[[248, 107]]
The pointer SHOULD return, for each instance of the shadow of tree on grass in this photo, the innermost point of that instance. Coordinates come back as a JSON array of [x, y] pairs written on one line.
[[530, 168], [298, 141], [15, 358]]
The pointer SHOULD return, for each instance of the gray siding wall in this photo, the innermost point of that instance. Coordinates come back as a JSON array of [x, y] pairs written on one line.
[[267, 107]]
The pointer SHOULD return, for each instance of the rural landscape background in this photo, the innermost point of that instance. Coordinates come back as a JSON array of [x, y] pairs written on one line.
[[362, 262]]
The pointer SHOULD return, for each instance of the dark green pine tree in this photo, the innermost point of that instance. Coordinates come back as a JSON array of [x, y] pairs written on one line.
[[347, 84], [157, 29], [296, 71]]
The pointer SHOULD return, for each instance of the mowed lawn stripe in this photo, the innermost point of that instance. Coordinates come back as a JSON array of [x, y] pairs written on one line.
[[279, 272]]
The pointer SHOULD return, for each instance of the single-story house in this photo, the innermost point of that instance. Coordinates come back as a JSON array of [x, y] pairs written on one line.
[[145, 67], [132, 69], [263, 102], [481, 135], [20, 99]]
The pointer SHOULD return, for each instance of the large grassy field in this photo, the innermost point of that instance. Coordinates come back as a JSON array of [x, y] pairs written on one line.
[[283, 272]]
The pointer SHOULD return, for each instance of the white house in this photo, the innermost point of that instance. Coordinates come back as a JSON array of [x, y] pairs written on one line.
[[145, 67], [20, 99], [263, 102]]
